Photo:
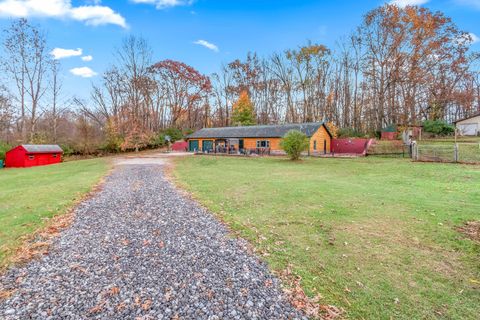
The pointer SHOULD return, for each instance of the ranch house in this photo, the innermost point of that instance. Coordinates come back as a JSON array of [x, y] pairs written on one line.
[[264, 139]]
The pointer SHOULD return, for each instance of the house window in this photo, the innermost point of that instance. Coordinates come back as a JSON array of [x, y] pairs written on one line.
[[263, 143], [314, 144], [54, 155], [31, 157]]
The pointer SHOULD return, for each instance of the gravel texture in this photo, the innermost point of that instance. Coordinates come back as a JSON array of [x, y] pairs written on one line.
[[139, 249]]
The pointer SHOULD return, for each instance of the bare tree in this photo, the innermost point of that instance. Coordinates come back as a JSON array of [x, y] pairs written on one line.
[[26, 61], [6, 114]]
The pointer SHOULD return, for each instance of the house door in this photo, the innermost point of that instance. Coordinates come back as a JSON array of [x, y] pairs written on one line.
[[324, 146], [193, 145], [207, 145], [240, 144]]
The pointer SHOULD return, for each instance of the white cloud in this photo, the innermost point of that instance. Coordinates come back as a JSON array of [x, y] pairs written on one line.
[[97, 15], [470, 3], [84, 72], [207, 45], [404, 3], [61, 9], [59, 53], [87, 58], [163, 4]]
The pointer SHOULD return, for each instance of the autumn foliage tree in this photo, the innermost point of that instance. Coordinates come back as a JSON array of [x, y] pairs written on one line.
[[243, 111], [402, 65], [185, 90]]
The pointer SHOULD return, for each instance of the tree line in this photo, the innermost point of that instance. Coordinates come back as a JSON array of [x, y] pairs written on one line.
[[400, 66]]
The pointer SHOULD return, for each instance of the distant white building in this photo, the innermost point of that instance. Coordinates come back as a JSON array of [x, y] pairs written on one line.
[[469, 126]]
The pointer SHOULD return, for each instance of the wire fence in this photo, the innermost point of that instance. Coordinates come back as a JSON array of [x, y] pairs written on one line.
[[455, 152]]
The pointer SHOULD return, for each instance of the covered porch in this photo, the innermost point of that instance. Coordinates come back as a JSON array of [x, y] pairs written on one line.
[[233, 146]]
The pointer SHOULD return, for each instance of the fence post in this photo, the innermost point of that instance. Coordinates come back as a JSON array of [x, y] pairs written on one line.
[[414, 148], [455, 152]]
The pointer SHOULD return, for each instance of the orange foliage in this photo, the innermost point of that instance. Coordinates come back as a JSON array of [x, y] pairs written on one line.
[[332, 128]]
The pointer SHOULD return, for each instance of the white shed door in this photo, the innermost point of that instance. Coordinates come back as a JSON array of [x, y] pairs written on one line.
[[468, 129]]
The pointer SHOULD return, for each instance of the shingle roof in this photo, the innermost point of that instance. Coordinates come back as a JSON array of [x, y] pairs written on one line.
[[42, 148], [264, 131]]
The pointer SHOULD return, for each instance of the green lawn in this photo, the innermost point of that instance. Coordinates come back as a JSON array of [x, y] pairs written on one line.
[[374, 236], [29, 196]]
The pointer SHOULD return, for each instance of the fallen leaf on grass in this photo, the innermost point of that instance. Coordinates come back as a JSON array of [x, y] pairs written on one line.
[[310, 306]]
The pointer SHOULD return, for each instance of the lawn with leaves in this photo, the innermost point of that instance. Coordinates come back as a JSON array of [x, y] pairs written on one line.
[[29, 196], [374, 236]]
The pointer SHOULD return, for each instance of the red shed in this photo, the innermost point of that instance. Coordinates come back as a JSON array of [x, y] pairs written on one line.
[[29, 155], [180, 146]]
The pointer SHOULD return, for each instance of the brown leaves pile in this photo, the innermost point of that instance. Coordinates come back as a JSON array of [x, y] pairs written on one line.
[[471, 229], [310, 306], [37, 244]]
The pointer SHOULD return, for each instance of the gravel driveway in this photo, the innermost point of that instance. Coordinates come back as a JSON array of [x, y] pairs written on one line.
[[140, 250]]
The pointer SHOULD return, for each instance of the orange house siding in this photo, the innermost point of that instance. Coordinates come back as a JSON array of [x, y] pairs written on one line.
[[320, 136], [251, 143]]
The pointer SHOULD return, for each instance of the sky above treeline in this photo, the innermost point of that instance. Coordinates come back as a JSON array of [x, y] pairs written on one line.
[[83, 34]]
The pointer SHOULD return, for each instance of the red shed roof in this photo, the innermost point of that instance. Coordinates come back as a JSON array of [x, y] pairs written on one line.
[[42, 148]]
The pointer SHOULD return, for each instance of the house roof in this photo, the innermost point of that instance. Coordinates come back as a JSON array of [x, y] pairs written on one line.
[[263, 131], [470, 117], [42, 148]]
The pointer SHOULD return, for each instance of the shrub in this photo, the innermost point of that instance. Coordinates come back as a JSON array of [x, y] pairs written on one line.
[[158, 141], [438, 127], [186, 132], [349, 133], [113, 140], [174, 133], [68, 150], [4, 147], [294, 143]]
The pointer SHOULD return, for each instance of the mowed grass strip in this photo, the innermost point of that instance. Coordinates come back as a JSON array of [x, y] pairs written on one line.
[[29, 196], [374, 236]]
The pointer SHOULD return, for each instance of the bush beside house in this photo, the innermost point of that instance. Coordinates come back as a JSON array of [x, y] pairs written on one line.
[[294, 143]]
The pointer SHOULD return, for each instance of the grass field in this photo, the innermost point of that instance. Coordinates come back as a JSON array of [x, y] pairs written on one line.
[[28, 197], [373, 236]]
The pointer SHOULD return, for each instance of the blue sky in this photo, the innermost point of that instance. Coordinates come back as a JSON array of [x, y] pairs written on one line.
[[174, 28]]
